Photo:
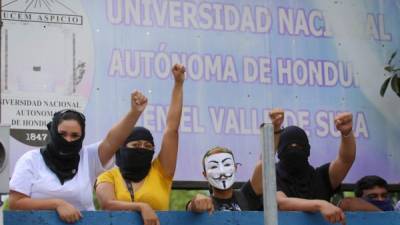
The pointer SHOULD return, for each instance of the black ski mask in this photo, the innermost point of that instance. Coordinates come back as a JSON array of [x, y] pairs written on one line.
[[135, 163], [62, 157], [294, 150]]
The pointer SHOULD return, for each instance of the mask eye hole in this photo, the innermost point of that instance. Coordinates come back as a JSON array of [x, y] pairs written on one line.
[[140, 144], [148, 145], [69, 136], [295, 146]]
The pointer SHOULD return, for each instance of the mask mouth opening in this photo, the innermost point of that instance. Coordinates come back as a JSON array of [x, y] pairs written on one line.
[[223, 177]]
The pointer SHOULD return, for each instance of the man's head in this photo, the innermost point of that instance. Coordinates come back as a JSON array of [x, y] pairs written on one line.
[[374, 189], [135, 156], [219, 168], [293, 149]]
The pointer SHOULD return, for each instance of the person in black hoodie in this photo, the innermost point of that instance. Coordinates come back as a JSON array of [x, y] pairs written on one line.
[[300, 186]]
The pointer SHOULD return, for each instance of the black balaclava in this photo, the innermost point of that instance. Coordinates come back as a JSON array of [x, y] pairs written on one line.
[[293, 159], [61, 156], [293, 166], [135, 163]]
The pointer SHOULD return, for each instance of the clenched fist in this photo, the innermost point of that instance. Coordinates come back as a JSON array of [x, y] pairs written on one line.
[[138, 101], [201, 203], [178, 71], [344, 123], [277, 115]]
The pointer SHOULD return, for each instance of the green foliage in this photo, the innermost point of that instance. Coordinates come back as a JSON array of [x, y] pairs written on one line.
[[394, 77], [347, 194], [95, 202], [179, 198], [6, 205]]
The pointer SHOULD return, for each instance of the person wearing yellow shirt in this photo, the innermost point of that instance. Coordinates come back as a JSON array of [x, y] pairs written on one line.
[[138, 183]]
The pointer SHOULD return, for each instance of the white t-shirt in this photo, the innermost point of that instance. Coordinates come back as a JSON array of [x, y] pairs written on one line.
[[33, 178]]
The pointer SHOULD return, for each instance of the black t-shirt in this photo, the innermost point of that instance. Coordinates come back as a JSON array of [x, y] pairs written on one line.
[[318, 185], [243, 199]]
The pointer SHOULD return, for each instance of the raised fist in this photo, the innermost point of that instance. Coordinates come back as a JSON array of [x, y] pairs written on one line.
[[277, 115], [344, 123], [178, 71], [138, 101]]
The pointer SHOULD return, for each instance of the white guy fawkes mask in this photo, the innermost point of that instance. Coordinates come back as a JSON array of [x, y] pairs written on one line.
[[220, 170]]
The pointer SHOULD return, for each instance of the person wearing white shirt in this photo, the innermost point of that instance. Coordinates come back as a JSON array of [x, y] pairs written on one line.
[[60, 176]]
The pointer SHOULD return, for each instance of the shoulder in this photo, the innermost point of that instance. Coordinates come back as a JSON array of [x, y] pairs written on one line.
[[108, 176], [31, 157], [323, 169], [113, 172], [31, 154], [91, 152], [94, 147]]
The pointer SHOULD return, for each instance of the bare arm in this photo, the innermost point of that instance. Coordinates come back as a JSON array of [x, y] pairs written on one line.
[[121, 130], [330, 212], [106, 197], [169, 146], [256, 179], [66, 211], [297, 204], [357, 204], [19, 201], [339, 167]]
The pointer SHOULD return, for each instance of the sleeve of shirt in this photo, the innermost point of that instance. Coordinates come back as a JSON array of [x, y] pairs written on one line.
[[21, 180], [95, 165], [254, 201], [324, 172], [107, 177]]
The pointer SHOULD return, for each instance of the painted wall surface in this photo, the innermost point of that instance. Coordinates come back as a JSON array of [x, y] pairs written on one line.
[[312, 58], [183, 218]]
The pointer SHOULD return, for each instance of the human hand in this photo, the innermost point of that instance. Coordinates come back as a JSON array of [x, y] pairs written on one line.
[[149, 216], [68, 212], [202, 203], [178, 70], [277, 115], [138, 101], [344, 123], [332, 213]]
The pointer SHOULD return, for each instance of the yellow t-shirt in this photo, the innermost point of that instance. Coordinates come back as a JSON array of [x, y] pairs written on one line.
[[154, 191]]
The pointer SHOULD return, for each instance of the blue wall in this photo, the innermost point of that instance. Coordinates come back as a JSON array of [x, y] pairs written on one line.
[[185, 218]]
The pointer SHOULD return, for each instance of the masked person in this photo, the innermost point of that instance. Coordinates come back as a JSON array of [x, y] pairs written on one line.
[[219, 169], [372, 195], [301, 187], [138, 183], [60, 176]]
